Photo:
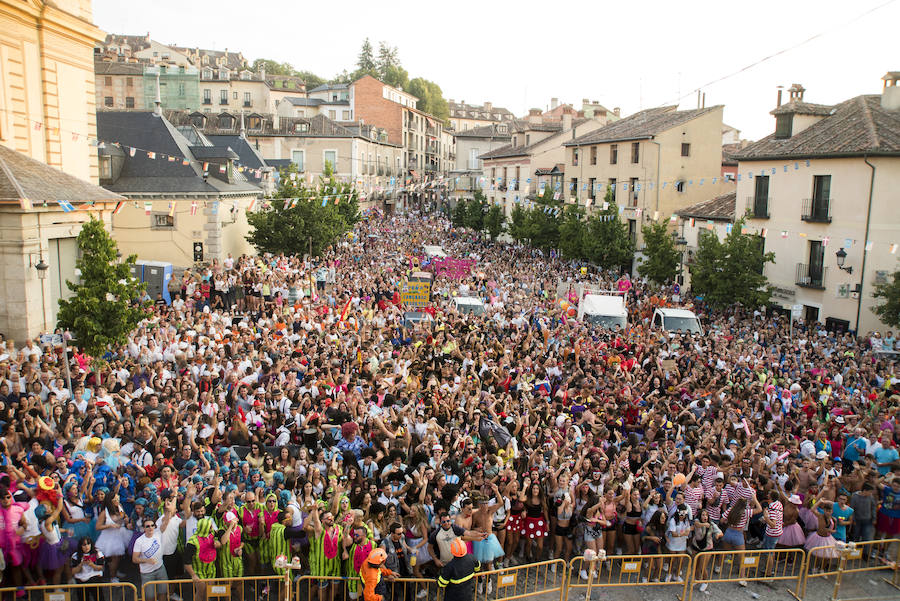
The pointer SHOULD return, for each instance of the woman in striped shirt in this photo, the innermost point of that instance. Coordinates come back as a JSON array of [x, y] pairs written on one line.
[[736, 519]]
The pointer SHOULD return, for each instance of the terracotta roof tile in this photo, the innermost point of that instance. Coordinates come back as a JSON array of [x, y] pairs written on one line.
[[720, 208]]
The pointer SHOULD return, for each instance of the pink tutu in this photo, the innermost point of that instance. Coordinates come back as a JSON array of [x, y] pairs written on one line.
[[808, 518], [814, 540], [792, 536]]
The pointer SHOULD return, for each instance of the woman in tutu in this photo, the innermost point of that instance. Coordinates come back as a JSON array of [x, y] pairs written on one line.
[[824, 534], [792, 534], [73, 512], [114, 536], [52, 555], [515, 521]]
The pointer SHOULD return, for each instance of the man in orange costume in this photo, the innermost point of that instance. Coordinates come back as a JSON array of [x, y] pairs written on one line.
[[371, 574]]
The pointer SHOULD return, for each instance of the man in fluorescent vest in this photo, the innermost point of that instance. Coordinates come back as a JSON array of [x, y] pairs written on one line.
[[458, 576]]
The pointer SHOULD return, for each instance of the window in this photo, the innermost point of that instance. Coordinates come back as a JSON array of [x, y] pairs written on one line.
[[105, 167], [330, 158], [162, 221], [592, 185], [247, 99], [107, 81], [331, 114], [527, 139], [679, 186], [129, 102], [298, 157], [574, 191], [632, 191], [207, 96], [254, 122], [234, 95], [181, 89], [226, 121], [593, 155], [345, 115], [685, 149], [783, 126], [613, 154], [516, 183], [635, 152], [129, 82], [108, 101], [818, 207], [761, 197], [611, 184], [223, 96]]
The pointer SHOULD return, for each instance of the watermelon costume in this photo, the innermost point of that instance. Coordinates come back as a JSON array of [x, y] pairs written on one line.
[[203, 560], [324, 552], [231, 564]]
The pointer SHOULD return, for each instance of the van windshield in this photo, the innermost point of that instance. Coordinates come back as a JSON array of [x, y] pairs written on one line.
[[685, 324], [606, 321]]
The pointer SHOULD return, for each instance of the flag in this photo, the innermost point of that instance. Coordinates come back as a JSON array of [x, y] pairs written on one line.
[[193, 208], [728, 228], [215, 207], [784, 234], [185, 162], [252, 204], [868, 246], [764, 232], [221, 168], [148, 206], [673, 219], [172, 209], [131, 151], [151, 155], [119, 206], [287, 203], [171, 159], [693, 222], [206, 166], [345, 310], [825, 241], [324, 201], [66, 206], [893, 249]]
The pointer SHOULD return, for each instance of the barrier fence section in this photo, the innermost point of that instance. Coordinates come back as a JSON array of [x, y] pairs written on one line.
[[247, 588], [340, 588], [94, 591], [546, 578], [711, 567], [671, 570], [854, 558]]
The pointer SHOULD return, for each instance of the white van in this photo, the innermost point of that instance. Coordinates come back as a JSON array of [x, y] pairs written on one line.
[[673, 320], [468, 304], [606, 311]]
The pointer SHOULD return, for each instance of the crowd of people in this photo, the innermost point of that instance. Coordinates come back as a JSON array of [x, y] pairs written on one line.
[[285, 406]]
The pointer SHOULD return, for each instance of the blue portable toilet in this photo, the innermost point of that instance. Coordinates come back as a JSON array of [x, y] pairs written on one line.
[[157, 275]]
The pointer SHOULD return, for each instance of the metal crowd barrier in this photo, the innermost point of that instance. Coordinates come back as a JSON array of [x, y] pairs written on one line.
[[671, 570], [94, 591], [759, 565], [247, 588], [545, 578], [854, 558]]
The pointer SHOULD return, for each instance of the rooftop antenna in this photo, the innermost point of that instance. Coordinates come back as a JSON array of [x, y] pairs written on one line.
[[158, 101]]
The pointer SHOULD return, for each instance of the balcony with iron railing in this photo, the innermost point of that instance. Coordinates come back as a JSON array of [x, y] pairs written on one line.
[[207, 101], [811, 276], [816, 210], [758, 207], [380, 170], [247, 104]]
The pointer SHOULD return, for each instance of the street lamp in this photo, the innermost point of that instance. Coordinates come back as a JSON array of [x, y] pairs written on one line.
[[841, 255]]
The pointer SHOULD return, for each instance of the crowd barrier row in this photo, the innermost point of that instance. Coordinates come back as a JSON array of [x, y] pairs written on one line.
[[553, 580]]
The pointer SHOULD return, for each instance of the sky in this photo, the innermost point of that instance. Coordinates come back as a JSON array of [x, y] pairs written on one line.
[[519, 55]]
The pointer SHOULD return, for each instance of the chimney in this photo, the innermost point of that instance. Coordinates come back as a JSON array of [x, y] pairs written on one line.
[[778, 101], [534, 116], [567, 121], [890, 95], [616, 111], [585, 101], [796, 92], [488, 106], [554, 102]]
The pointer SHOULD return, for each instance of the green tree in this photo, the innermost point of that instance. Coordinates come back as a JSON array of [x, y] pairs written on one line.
[[275, 68], [494, 220], [572, 230], [606, 239], [310, 79], [293, 227], [543, 221], [365, 61], [660, 256], [518, 223], [396, 76], [431, 98], [475, 210], [889, 310], [458, 217], [104, 308], [387, 59], [731, 271]]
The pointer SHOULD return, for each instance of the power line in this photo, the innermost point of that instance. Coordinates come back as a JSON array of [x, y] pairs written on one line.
[[842, 25]]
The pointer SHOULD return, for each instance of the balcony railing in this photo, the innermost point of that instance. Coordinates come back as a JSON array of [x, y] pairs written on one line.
[[207, 101], [380, 170], [223, 101], [811, 277], [247, 104], [758, 207], [817, 210]]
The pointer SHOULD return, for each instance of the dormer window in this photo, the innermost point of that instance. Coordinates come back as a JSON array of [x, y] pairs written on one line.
[[223, 73], [226, 121], [301, 128], [501, 129], [254, 122], [783, 126], [207, 74], [245, 74]]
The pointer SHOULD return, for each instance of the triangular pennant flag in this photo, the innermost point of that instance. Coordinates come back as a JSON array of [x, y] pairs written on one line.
[[215, 207], [221, 168], [252, 204], [119, 206], [868, 246], [151, 155], [148, 206], [784, 233], [66, 206], [172, 209], [185, 162], [131, 151], [193, 208]]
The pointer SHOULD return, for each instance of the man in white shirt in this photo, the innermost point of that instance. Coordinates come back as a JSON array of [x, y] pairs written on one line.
[[168, 526], [148, 556]]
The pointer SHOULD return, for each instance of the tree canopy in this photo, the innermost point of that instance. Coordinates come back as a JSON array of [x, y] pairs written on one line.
[[106, 305], [318, 217], [888, 311], [730, 271], [660, 255]]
